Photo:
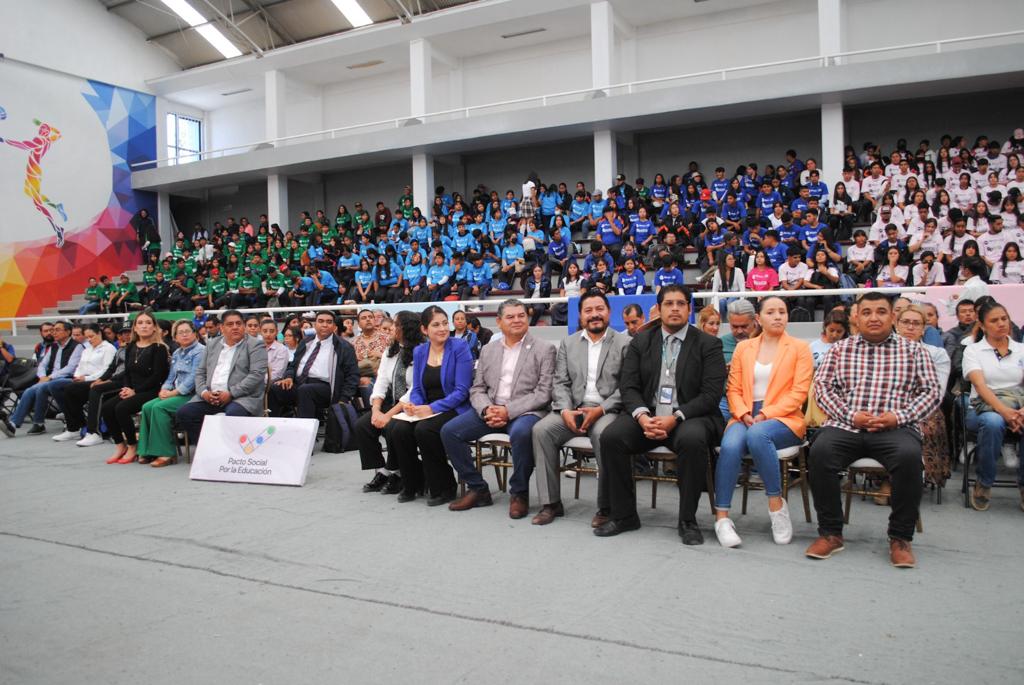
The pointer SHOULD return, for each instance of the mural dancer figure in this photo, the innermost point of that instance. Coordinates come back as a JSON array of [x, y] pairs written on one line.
[[38, 147]]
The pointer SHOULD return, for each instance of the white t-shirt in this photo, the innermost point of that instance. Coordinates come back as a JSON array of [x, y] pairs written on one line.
[[953, 245], [818, 349], [999, 373], [934, 276], [860, 254], [931, 242], [991, 244], [963, 198], [874, 186], [886, 274], [853, 189], [1013, 274], [793, 274]]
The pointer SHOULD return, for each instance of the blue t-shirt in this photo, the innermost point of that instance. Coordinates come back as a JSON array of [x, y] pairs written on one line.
[[605, 230], [714, 237], [413, 274], [734, 211], [664, 277], [597, 208], [818, 190], [436, 274], [479, 275], [512, 253], [719, 187], [798, 204], [766, 202], [463, 243], [385, 280], [641, 230], [631, 284], [364, 278], [777, 255], [347, 262], [787, 233]]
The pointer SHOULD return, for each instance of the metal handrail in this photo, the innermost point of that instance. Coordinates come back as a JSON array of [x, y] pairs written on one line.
[[825, 61]]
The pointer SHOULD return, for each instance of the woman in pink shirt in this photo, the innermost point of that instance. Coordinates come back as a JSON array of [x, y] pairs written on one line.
[[762, 277]]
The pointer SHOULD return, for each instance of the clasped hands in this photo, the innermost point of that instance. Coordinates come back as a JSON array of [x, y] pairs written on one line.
[[218, 398], [875, 423], [656, 427], [418, 410], [496, 416], [589, 414]]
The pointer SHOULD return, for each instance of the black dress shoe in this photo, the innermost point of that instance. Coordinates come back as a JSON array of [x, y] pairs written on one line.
[[690, 533], [7, 427], [443, 497], [378, 482], [613, 527], [393, 486], [406, 496], [36, 429]]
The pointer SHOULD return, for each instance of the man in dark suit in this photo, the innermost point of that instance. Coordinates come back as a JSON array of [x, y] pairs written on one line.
[[672, 380], [323, 372]]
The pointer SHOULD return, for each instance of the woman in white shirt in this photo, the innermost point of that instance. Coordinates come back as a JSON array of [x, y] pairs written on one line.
[[571, 285], [1010, 213], [97, 354], [728, 278], [1009, 269], [893, 274], [994, 365], [391, 389], [964, 195]]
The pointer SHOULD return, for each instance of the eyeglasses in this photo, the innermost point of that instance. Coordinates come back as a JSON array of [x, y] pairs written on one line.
[[911, 324]]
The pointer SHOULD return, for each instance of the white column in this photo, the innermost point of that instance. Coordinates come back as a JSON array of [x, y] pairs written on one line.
[[420, 75], [832, 142], [275, 105], [277, 201], [164, 220], [602, 43], [830, 27], [423, 181], [605, 159]]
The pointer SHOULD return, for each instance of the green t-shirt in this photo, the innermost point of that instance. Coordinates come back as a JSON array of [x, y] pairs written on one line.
[[218, 286], [204, 289], [343, 219], [129, 290], [276, 281], [259, 270], [303, 242], [233, 284], [240, 248], [110, 291], [95, 293], [191, 267], [149, 278], [178, 252], [248, 282], [262, 238], [170, 273]]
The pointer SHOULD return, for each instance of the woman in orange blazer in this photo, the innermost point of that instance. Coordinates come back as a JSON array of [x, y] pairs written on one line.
[[769, 379]]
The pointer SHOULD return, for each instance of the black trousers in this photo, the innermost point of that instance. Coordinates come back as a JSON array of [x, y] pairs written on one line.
[[308, 398], [118, 413], [691, 441], [368, 443], [78, 397], [899, 451], [434, 472]]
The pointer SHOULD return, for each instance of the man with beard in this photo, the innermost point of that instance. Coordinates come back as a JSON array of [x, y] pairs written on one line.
[[46, 333], [585, 401]]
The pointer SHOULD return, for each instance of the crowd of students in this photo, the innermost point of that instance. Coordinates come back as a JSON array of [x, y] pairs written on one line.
[[924, 216], [873, 384]]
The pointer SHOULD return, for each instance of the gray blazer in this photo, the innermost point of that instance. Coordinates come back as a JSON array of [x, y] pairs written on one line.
[[571, 371], [531, 381], [247, 380]]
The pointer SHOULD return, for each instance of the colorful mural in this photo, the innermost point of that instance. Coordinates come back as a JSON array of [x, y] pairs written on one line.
[[37, 272]]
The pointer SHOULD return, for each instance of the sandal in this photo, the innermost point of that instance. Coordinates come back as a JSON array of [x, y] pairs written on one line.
[[163, 461], [145, 460]]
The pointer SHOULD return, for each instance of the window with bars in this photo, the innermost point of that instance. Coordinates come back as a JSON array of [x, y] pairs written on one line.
[[184, 139]]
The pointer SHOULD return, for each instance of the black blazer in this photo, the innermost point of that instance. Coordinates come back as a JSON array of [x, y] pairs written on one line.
[[700, 374], [346, 370]]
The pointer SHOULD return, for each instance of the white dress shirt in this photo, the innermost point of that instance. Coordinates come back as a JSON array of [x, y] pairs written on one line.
[[94, 361], [590, 394], [219, 379], [509, 358], [321, 368], [277, 360]]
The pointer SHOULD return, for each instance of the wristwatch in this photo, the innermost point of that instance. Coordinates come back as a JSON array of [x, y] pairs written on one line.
[[680, 417]]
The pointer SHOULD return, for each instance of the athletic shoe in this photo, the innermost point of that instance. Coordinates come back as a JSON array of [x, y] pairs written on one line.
[[1010, 457], [725, 530], [65, 436], [90, 440], [782, 527]]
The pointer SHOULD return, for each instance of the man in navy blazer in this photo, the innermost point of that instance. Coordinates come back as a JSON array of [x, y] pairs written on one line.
[[511, 392]]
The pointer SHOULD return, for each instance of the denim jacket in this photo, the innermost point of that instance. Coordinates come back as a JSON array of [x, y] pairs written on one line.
[[182, 376]]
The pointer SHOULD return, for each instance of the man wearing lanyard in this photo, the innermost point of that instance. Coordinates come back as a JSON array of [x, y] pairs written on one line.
[[322, 372], [671, 382]]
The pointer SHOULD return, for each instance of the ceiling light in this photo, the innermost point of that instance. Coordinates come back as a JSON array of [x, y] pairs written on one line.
[[522, 33], [354, 12], [204, 28], [237, 92], [364, 65]]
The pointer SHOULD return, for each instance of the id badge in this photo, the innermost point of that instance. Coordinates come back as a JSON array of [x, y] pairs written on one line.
[[665, 394]]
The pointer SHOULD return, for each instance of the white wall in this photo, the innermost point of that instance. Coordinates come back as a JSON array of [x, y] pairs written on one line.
[[880, 23], [80, 37], [501, 170], [375, 98], [729, 144], [537, 70], [753, 35], [365, 185], [236, 125]]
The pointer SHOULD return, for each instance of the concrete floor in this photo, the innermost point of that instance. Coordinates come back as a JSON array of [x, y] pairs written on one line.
[[127, 574]]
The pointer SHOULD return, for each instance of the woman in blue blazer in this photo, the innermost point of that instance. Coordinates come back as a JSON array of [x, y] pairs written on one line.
[[442, 373]]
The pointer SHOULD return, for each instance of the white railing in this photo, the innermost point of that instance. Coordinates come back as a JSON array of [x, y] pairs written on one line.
[[629, 88]]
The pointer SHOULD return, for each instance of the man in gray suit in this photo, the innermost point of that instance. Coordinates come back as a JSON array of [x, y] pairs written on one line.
[[511, 392], [585, 400], [230, 379]]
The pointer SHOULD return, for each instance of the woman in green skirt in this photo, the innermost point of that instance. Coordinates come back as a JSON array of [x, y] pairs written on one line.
[[156, 436]]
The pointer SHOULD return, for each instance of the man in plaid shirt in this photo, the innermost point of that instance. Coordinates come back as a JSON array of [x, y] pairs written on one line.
[[874, 387]]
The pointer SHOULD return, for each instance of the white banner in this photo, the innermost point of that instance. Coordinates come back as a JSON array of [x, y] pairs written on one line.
[[254, 450]]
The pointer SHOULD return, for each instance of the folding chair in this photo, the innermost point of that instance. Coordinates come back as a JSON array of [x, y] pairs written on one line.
[[791, 460], [660, 456], [969, 450], [865, 466], [500, 456]]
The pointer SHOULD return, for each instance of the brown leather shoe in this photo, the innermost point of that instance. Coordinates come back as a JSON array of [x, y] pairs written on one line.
[[600, 518], [472, 499], [548, 513], [825, 546], [900, 553], [518, 507]]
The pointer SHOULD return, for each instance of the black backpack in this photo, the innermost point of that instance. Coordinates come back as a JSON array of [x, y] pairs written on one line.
[[21, 374]]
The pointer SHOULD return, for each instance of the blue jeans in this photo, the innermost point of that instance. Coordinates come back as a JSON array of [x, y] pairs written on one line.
[[723, 406], [35, 400], [991, 430], [458, 433], [761, 441], [88, 308]]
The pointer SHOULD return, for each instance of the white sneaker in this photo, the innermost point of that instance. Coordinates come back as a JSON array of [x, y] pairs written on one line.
[[725, 529], [782, 527], [1010, 458], [90, 440], [65, 436]]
